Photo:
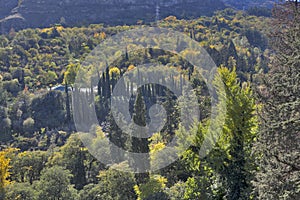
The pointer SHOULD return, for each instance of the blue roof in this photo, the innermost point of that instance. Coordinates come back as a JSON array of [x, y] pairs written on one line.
[[60, 88]]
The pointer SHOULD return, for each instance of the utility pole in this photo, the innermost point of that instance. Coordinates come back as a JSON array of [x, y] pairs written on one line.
[[2, 27], [157, 16]]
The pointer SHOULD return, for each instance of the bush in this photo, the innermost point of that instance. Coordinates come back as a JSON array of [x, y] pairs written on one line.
[[22, 191], [28, 125]]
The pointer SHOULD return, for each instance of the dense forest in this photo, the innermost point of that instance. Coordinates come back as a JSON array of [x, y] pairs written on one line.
[[43, 156]]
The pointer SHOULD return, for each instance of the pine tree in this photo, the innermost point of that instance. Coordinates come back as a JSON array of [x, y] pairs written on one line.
[[279, 139]]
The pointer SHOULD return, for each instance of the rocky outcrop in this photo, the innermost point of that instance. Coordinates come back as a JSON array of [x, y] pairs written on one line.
[[43, 13]]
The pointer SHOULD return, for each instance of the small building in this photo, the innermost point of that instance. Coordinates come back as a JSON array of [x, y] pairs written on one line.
[[60, 88]]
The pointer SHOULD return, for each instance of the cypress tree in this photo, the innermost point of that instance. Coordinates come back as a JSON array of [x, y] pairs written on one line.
[[140, 145], [68, 107], [117, 137], [108, 83]]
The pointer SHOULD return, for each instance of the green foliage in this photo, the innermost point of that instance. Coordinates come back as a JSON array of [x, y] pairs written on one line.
[[100, 145], [239, 132], [35, 59], [260, 11], [27, 166], [28, 125], [55, 184], [74, 157], [94, 192], [116, 185], [70, 74], [34, 119], [140, 145], [154, 186], [12, 86], [230, 162], [192, 190], [159, 152], [20, 191], [48, 110], [177, 191], [5, 124]]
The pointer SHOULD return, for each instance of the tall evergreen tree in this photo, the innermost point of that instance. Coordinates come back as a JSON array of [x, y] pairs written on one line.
[[73, 159], [238, 134], [230, 159], [5, 124], [279, 139], [117, 137], [68, 106], [140, 145]]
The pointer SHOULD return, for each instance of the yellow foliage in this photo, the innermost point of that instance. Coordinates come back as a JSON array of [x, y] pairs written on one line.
[[99, 132], [157, 147], [131, 67], [157, 144], [162, 180], [55, 159], [171, 18], [248, 54], [138, 192], [102, 174], [4, 168], [203, 43], [46, 30], [96, 35], [101, 35], [221, 19], [200, 27], [114, 71], [59, 28]]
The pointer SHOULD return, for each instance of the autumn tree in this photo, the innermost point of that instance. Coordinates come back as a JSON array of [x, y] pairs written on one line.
[[70, 74], [4, 171]]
